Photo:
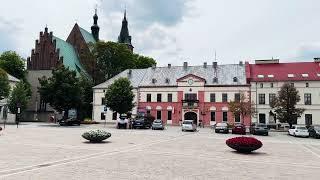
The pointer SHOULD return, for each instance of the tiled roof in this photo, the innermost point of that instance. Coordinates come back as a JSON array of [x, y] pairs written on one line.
[[70, 57], [88, 37], [297, 71], [167, 76]]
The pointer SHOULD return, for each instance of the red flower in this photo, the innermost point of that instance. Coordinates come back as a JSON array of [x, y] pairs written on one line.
[[244, 144]]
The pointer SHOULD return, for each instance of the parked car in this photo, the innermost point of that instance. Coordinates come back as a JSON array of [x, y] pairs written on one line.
[[69, 121], [239, 129], [222, 127], [257, 129], [189, 125], [122, 122], [314, 131], [141, 123], [300, 131], [157, 124]]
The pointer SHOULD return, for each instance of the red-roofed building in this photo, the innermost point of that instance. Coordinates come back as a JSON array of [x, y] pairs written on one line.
[[266, 78]]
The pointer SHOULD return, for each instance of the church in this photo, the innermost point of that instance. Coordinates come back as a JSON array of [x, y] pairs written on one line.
[[51, 51]]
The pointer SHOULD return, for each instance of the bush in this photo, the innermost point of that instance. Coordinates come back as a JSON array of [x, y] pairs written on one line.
[[244, 144], [96, 136]]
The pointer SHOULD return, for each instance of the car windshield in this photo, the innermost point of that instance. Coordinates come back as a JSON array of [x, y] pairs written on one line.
[[187, 122], [222, 124], [302, 128]]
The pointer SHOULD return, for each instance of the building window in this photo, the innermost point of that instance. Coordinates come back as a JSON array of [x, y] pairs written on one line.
[[307, 99], [307, 84], [114, 116], [262, 99], [225, 116], [224, 97], [103, 101], [158, 114], [237, 97], [169, 97], [308, 119], [103, 116], [262, 118], [169, 115], [235, 79], [159, 97], [213, 116], [272, 97], [237, 118], [261, 85], [212, 97], [148, 97], [271, 85], [190, 96]]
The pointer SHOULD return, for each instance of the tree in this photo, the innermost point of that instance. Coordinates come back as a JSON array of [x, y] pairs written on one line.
[[119, 96], [62, 91], [113, 58], [85, 109], [11, 62], [4, 85], [19, 98], [242, 107], [284, 105]]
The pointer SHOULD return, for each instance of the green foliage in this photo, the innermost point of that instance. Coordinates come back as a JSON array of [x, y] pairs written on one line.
[[62, 91], [11, 62], [19, 97], [244, 108], [4, 85], [85, 109], [113, 58], [119, 96], [285, 103]]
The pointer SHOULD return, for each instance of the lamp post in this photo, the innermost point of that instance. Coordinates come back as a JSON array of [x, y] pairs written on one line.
[[18, 114]]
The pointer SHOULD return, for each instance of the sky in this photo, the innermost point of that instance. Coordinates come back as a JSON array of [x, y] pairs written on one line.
[[175, 31]]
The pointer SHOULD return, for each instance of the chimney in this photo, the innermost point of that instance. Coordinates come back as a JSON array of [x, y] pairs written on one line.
[[185, 65], [129, 73], [241, 63], [205, 65], [169, 65], [317, 59], [215, 65]]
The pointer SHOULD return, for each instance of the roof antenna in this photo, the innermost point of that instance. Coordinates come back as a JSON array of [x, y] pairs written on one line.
[[96, 9], [215, 55]]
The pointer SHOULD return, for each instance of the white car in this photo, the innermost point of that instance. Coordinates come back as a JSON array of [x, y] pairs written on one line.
[[189, 125], [122, 123], [300, 131]]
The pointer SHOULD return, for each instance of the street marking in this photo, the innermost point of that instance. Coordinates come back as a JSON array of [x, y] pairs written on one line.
[[308, 148]]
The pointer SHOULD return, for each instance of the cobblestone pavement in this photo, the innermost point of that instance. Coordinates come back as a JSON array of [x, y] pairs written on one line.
[[38, 151]]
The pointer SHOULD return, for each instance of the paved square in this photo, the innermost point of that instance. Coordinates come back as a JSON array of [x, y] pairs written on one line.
[[48, 151]]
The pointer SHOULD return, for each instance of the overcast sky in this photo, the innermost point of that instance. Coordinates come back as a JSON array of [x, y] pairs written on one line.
[[173, 31]]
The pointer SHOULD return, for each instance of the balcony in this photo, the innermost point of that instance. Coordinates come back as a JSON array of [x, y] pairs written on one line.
[[190, 104]]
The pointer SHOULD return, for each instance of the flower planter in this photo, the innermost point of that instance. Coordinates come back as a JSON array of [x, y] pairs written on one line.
[[96, 136], [244, 144]]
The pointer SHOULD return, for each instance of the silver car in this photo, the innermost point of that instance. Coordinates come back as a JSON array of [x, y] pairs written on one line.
[[189, 125], [157, 124]]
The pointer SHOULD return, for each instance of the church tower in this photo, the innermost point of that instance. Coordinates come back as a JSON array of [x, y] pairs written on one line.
[[95, 28], [124, 36]]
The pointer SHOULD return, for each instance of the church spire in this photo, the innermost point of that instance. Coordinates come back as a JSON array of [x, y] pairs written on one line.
[[124, 36], [95, 28]]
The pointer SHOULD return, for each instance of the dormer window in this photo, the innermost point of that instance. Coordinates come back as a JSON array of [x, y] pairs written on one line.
[[305, 75], [167, 80], [215, 80], [260, 76], [154, 81], [290, 75], [270, 76], [235, 79]]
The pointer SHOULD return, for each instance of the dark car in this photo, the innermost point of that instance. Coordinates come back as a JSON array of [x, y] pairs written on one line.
[[259, 129], [222, 128], [141, 123], [69, 122], [239, 129], [314, 131]]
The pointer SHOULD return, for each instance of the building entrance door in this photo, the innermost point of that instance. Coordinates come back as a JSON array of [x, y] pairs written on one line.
[[191, 116]]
